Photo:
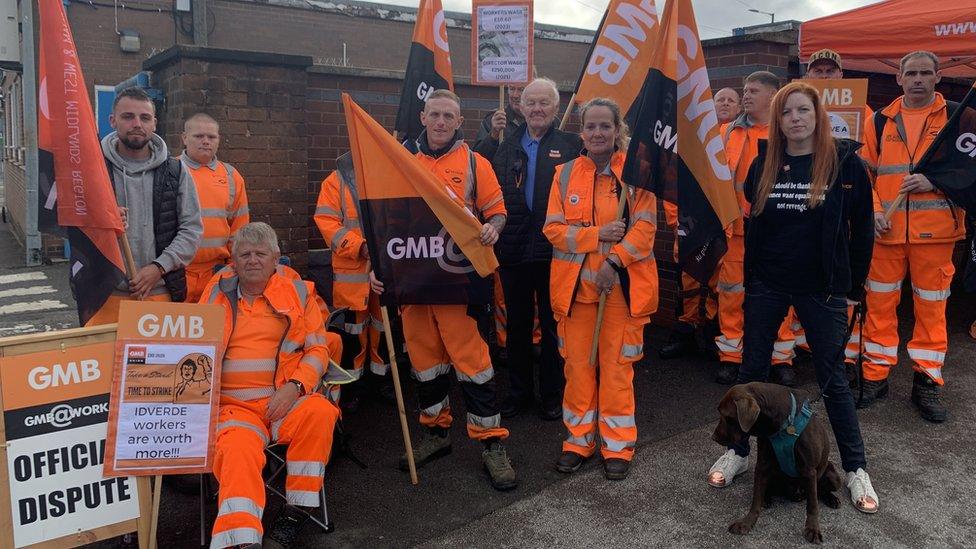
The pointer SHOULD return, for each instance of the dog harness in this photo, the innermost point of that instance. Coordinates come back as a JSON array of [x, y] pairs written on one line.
[[785, 439]]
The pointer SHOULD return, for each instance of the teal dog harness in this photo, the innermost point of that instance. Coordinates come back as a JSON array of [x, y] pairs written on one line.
[[785, 439]]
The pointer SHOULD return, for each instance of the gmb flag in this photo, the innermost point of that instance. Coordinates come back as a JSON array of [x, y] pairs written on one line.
[[676, 150], [950, 162], [428, 68], [424, 244], [621, 53], [75, 189]]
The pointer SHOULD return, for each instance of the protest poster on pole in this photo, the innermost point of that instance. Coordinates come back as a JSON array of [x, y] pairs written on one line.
[[501, 42], [54, 391], [166, 389], [845, 100]]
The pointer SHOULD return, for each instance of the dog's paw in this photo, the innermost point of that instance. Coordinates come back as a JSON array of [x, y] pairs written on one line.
[[740, 527], [831, 500], [813, 535]]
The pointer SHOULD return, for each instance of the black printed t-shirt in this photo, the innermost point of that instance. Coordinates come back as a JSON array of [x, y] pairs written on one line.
[[790, 257]]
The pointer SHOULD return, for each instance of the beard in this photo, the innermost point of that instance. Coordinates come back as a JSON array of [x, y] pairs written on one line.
[[134, 142]]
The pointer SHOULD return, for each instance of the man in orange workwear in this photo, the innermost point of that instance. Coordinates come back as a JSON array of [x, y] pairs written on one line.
[[275, 354], [337, 218], [917, 239], [741, 148], [223, 200], [441, 336]]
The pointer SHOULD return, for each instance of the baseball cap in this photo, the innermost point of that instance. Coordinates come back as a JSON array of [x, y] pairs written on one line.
[[825, 55]]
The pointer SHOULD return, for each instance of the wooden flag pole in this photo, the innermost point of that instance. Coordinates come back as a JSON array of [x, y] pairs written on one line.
[[399, 394], [130, 262], [569, 109], [899, 200], [157, 496], [501, 107], [601, 307]]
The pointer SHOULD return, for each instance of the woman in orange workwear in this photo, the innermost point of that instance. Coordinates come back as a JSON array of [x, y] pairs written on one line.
[[597, 252]]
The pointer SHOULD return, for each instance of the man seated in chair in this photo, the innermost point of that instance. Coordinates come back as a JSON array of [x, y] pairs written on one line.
[[275, 354]]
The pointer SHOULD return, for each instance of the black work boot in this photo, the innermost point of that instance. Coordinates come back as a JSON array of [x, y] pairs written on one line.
[[569, 462], [286, 526], [873, 390], [785, 375], [727, 373], [927, 397], [681, 342]]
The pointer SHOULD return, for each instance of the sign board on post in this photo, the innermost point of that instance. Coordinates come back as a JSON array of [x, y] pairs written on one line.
[[54, 390], [845, 100], [165, 389], [501, 42]]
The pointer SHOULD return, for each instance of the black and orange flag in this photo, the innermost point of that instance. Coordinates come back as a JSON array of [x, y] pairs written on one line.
[[620, 54], [428, 68], [677, 150], [424, 244], [73, 176]]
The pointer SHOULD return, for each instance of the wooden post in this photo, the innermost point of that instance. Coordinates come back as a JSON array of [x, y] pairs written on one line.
[[157, 496], [130, 262], [501, 107], [569, 109], [601, 307], [899, 200], [399, 394]]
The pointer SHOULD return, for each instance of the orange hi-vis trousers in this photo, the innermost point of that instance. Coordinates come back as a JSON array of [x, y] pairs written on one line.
[[243, 432], [931, 269], [437, 337], [368, 329], [600, 398], [731, 296]]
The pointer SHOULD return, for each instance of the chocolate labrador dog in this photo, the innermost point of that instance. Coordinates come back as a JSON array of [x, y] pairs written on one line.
[[775, 414]]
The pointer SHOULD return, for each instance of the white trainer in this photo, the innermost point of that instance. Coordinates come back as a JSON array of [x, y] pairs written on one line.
[[727, 468], [863, 496]]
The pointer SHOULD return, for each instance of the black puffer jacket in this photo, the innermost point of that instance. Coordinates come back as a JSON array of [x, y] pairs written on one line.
[[522, 240]]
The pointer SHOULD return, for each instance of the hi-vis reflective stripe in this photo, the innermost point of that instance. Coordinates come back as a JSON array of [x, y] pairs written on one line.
[[337, 238], [560, 342], [730, 288], [571, 244], [231, 183], [934, 373], [894, 169], [431, 373], [617, 445], [571, 258], [235, 365], [927, 355], [619, 422], [216, 242], [314, 339], [728, 345], [289, 346], [245, 425], [875, 286], [218, 213], [376, 324], [631, 351], [642, 215], [379, 368], [315, 363], [255, 393], [490, 422], [235, 537], [556, 218], [574, 420], [783, 346], [588, 275], [302, 498], [928, 205], [585, 440], [351, 278], [478, 379], [433, 411], [276, 426], [240, 211], [240, 505], [325, 210], [876, 349], [305, 468], [931, 295]]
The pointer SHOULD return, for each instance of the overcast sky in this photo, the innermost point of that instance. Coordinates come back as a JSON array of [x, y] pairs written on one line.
[[715, 17]]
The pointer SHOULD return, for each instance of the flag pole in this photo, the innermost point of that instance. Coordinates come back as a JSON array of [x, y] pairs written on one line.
[[602, 306], [501, 107], [569, 109], [397, 390], [899, 200], [130, 262]]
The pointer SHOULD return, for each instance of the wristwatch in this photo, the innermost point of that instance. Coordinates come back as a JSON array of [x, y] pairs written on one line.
[[300, 385]]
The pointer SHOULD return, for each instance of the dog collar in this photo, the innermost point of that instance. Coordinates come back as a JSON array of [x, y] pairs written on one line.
[[785, 439]]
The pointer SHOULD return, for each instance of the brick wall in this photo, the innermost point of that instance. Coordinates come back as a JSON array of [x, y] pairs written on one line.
[[259, 101]]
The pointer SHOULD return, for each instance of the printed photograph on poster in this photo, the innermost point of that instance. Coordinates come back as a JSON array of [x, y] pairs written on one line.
[[845, 100], [164, 405], [845, 124], [503, 33]]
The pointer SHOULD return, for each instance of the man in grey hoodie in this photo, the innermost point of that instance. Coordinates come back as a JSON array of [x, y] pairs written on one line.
[[158, 202]]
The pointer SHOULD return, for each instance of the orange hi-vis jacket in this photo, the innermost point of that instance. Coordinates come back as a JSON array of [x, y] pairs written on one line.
[[302, 353], [223, 208], [338, 220], [923, 217], [576, 211], [455, 168], [742, 137]]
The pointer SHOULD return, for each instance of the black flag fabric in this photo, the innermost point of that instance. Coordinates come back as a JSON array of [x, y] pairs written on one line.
[[428, 68]]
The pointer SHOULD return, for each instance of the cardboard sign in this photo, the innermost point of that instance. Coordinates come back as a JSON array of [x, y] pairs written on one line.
[[55, 396], [165, 390], [502, 34], [844, 100]]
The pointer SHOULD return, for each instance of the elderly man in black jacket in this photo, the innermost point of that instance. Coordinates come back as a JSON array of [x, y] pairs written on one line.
[[524, 163]]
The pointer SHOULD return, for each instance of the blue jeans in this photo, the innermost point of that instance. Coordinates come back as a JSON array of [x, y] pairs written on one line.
[[824, 317]]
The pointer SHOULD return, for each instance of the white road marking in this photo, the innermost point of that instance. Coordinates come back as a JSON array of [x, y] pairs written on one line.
[[31, 306], [22, 277], [32, 290]]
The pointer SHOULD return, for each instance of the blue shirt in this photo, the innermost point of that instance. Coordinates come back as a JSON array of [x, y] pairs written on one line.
[[531, 148]]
